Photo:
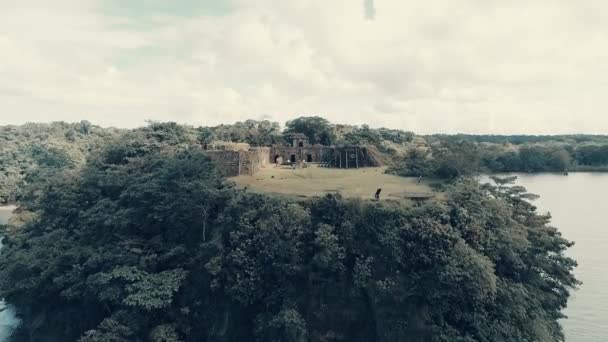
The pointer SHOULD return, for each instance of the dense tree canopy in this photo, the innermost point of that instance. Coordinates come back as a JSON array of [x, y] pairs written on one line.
[[526, 139], [593, 155], [255, 133], [364, 135], [317, 129], [147, 242], [444, 160], [452, 158], [532, 153], [32, 152]]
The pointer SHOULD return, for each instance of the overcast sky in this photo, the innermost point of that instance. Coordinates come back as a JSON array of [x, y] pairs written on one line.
[[487, 66]]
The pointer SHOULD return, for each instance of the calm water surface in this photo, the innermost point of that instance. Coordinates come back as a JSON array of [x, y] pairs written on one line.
[[580, 211], [7, 316]]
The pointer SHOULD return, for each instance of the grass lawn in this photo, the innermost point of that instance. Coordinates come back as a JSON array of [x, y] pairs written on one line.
[[318, 181]]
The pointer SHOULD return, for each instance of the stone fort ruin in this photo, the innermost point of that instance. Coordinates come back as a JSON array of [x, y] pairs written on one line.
[[240, 159]]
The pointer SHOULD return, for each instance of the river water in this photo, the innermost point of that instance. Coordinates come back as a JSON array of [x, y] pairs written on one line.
[[579, 210], [8, 321]]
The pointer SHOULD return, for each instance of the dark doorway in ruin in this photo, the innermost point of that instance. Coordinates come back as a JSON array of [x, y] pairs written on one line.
[[276, 158], [205, 147], [301, 144], [309, 158], [293, 158]]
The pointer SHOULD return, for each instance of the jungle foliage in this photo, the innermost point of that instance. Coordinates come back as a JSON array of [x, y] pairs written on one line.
[[147, 242], [317, 129], [33, 152], [452, 158]]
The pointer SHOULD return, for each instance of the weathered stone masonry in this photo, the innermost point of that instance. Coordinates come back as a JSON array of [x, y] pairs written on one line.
[[236, 163], [330, 156], [248, 161]]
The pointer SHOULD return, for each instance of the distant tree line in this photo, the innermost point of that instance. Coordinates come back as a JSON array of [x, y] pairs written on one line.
[[256, 133], [594, 155], [319, 130], [526, 139], [30, 153], [452, 158]]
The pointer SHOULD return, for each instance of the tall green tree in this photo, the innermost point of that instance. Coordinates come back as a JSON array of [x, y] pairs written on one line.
[[317, 129]]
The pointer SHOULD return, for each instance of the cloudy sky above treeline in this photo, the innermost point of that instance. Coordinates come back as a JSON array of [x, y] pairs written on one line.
[[473, 66]]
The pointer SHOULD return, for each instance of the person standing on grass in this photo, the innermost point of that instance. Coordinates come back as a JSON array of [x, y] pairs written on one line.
[[377, 195]]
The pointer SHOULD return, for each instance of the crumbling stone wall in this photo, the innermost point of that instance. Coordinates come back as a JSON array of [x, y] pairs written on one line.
[[236, 163], [340, 157], [312, 154], [227, 162], [249, 162], [254, 159]]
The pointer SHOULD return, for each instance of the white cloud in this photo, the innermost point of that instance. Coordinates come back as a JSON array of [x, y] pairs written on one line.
[[431, 66]]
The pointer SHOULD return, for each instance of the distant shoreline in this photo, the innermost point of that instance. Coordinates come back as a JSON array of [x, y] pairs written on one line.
[[590, 169], [544, 172]]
